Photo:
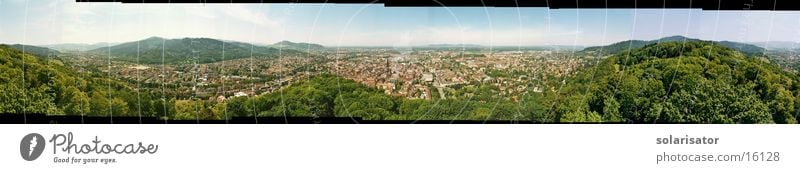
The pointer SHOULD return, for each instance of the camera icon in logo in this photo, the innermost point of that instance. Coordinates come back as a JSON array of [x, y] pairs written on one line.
[[31, 146]]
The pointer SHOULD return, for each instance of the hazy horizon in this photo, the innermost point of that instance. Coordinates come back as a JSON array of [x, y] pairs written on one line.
[[354, 25], [422, 45]]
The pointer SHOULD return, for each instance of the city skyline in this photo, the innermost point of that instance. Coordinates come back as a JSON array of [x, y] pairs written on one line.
[[333, 25]]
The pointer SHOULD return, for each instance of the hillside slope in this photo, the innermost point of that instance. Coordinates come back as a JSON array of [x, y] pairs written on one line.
[[35, 50], [675, 82], [31, 84]]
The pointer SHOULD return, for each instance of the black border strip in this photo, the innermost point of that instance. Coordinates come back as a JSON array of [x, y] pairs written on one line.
[[782, 5]]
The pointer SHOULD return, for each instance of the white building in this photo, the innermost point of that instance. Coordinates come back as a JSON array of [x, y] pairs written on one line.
[[239, 94]]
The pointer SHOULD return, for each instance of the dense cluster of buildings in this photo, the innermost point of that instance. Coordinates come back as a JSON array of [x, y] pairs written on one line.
[[417, 74], [220, 80]]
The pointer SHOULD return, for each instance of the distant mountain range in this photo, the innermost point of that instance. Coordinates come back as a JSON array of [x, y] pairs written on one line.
[[206, 50], [35, 50], [76, 47], [773, 45], [297, 46], [156, 50], [454, 45], [633, 44]]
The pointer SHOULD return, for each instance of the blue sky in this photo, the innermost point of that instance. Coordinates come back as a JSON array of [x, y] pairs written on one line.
[[39, 22]]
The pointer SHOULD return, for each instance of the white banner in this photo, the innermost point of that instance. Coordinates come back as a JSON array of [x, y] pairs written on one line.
[[399, 148]]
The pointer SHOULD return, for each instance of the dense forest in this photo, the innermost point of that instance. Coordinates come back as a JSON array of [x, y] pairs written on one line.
[[676, 82], [623, 46], [31, 84]]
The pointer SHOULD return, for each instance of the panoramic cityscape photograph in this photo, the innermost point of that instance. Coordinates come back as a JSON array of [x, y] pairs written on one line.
[[367, 62]]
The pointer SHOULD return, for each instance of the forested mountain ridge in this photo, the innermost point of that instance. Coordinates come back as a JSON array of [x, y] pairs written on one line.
[[297, 46], [35, 50], [620, 47], [156, 50], [676, 82]]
